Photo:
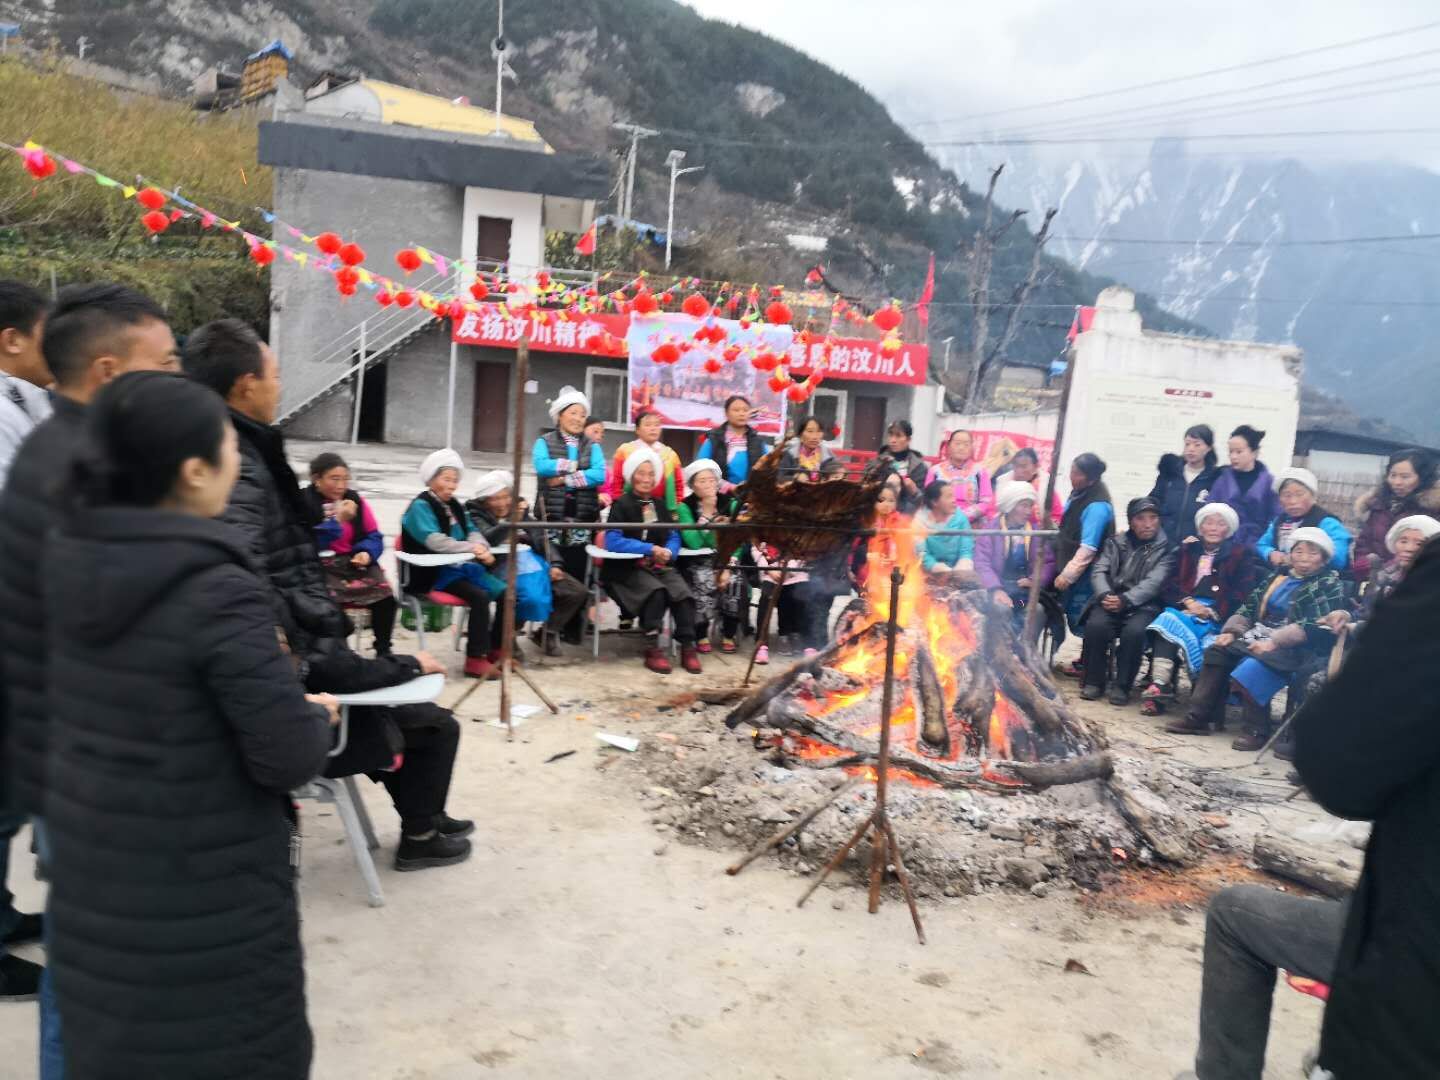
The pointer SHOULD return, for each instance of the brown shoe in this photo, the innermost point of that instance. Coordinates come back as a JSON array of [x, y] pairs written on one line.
[[1188, 724], [656, 662], [690, 659], [1250, 741], [477, 667]]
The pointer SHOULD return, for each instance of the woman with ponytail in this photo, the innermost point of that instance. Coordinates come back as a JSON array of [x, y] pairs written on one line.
[[178, 728]]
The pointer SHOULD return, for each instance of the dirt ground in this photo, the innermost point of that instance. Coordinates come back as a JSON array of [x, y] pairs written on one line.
[[581, 941]]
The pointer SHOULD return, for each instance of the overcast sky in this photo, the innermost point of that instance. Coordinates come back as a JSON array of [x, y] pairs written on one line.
[[947, 60]]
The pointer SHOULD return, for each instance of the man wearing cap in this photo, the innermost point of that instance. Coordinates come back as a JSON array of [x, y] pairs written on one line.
[[570, 470], [267, 508], [489, 512], [1128, 577], [1297, 490]]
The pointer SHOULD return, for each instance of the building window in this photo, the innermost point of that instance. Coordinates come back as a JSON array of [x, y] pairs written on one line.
[[609, 394], [828, 406]]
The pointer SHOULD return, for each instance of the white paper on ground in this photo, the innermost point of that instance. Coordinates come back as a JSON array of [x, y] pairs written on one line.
[[624, 742], [518, 715]]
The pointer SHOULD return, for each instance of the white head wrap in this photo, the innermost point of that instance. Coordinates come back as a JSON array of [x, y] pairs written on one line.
[[700, 465], [440, 459], [493, 482], [636, 458], [1300, 476], [1311, 535], [1225, 511], [568, 396], [1012, 493], [1421, 523]]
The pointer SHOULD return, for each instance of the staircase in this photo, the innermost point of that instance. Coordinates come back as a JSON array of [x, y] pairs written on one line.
[[371, 342]]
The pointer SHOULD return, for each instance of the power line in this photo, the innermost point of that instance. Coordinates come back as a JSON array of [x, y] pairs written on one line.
[[1059, 102], [1037, 125], [1350, 133], [1332, 242]]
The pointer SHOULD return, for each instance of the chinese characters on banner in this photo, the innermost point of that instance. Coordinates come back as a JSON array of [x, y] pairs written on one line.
[[850, 358]]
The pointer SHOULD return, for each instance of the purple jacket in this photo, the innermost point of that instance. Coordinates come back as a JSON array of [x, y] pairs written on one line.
[[990, 557], [1256, 508]]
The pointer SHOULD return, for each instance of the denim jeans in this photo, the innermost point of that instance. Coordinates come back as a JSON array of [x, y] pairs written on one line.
[[9, 825], [1250, 931], [52, 1061]]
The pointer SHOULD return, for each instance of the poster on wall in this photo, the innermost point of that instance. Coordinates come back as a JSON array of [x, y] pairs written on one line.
[[684, 393], [996, 446]]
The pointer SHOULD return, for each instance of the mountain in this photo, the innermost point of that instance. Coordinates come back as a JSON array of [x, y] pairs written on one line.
[[790, 147], [1217, 248]]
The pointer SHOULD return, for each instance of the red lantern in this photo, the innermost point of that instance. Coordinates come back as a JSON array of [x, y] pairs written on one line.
[[798, 393], [815, 276], [404, 298], [713, 366], [150, 198], [479, 290], [778, 313], [384, 298], [645, 303], [542, 280], [667, 353], [351, 254], [887, 318], [731, 354], [39, 164], [835, 431], [765, 361], [262, 254], [156, 222], [347, 290], [696, 306], [890, 346], [347, 275], [455, 309], [778, 382], [407, 260], [595, 342], [328, 242]]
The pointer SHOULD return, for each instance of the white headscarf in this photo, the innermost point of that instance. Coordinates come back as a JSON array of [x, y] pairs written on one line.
[[1012, 493], [1224, 511], [1426, 526], [493, 482], [636, 458], [1301, 476], [1311, 535], [440, 459], [568, 396], [700, 465]]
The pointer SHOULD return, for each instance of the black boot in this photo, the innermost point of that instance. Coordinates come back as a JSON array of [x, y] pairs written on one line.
[[1207, 704], [1256, 725], [432, 849]]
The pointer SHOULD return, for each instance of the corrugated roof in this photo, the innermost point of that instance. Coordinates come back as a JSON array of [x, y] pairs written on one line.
[[402, 105]]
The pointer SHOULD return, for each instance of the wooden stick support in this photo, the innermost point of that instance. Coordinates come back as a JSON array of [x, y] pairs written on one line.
[[778, 838], [512, 564], [762, 636]]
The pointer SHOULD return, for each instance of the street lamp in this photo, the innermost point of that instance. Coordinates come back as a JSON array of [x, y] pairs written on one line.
[[674, 160]]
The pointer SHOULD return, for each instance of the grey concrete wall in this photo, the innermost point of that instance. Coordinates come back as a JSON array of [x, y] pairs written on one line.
[[382, 216], [328, 420], [416, 392]]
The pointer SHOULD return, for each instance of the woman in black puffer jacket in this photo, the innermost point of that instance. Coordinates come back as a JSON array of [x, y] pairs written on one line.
[[178, 728]]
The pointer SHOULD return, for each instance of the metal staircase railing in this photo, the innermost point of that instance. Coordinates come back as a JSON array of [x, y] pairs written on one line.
[[364, 345]]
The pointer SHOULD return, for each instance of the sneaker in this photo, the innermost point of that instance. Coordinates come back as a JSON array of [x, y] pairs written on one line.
[[477, 667], [656, 662], [454, 828], [437, 849], [703, 647], [762, 654], [27, 928], [1091, 693], [626, 624], [727, 645], [1155, 691], [1118, 695], [19, 979], [690, 659]]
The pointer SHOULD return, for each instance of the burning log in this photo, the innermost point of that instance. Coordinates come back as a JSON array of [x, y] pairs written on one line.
[[929, 702], [777, 684]]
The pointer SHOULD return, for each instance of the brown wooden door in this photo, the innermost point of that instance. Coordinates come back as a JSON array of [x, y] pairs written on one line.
[[489, 419], [869, 427], [684, 441], [492, 239]]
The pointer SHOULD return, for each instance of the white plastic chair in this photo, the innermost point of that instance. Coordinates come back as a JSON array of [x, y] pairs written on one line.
[[597, 592], [404, 560], [343, 792]]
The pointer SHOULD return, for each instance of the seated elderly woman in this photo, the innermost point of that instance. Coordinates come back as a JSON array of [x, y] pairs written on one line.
[[436, 523], [651, 584], [1003, 563], [1213, 575], [713, 590], [350, 542], [1297, 489], [944, 554], [1276, 633], [544, 593]]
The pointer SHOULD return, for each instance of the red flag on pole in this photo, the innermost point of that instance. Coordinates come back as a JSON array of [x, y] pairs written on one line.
[[586, 244], [922, 307]]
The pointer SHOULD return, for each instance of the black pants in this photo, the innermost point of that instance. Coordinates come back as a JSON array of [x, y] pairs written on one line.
[[576, 563], [425, 737], [382, 622], [483, 635], [1101, 630], [787, 608], [652, 615], [567, 598], [813, 599]]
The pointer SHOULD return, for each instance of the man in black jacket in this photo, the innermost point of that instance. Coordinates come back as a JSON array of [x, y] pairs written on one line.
[[266, 506], [92, 334], [1127, 576]]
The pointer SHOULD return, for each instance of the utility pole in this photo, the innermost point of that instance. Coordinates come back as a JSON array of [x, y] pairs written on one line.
[[674, 160], [498, 49], [636, 133]]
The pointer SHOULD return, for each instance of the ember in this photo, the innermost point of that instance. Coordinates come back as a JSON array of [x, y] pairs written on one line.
[[973, 706]]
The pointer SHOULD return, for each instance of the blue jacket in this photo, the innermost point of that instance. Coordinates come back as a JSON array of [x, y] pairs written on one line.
[[545, 464], [948, 549], [1319, 519]]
